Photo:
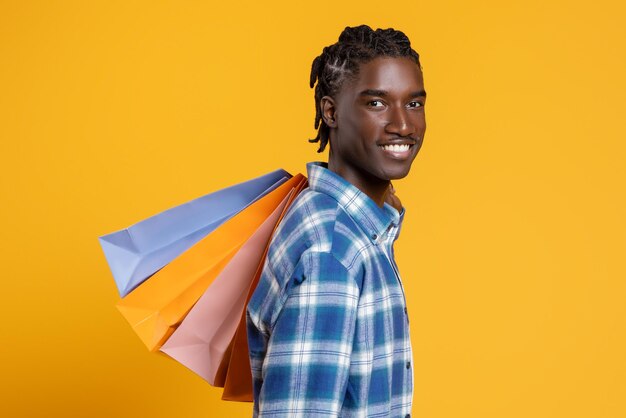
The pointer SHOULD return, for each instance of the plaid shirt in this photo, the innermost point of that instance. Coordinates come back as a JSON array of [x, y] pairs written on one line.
[[327, 325]]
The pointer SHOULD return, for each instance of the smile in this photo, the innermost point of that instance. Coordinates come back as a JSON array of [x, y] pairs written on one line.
[[396, 148], [397, 151]]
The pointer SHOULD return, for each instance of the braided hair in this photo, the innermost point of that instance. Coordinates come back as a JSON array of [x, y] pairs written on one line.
[[340, 61]]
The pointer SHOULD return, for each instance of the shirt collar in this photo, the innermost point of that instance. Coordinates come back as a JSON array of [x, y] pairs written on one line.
[[372, 219]]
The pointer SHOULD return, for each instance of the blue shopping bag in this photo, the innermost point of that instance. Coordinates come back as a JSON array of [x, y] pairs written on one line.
[[139, 251]]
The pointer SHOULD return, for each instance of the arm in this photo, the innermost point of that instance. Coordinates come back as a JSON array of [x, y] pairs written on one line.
[[305, 371]]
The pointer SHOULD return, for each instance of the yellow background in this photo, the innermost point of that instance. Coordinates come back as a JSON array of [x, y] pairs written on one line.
[[515, 238]]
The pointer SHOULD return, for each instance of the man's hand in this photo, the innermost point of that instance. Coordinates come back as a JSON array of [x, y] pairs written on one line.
[[392, 199]]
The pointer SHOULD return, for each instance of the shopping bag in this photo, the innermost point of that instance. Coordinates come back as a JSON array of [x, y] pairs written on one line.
[[137, 252], [203, 336], [156, 307], [234, 373]]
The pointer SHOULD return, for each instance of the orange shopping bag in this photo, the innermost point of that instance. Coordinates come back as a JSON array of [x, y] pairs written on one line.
[[157, 306], [234, 373]]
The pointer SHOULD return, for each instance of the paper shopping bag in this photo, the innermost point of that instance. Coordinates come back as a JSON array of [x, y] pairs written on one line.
[[137, 252], [234, 373], [157, 306], [203, 336]]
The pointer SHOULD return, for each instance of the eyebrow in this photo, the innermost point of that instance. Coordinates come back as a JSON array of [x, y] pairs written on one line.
[[383, 93]]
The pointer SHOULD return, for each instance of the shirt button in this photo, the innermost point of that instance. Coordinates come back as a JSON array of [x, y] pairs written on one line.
[[407, 416], [374, 237], [408, 364]]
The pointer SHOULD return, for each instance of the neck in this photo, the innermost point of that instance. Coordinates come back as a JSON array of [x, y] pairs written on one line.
[[373, 187]]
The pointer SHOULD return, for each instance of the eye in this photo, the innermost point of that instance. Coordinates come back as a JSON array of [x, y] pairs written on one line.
[[415, 104], [375, 103]]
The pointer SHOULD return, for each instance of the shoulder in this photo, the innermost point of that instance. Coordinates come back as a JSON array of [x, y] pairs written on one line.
[[315, 224], [316, 245]]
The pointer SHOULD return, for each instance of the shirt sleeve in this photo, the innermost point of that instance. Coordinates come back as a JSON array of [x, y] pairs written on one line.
[[305, 371]]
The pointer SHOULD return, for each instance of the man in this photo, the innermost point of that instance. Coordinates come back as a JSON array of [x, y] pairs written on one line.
[[327, 325]]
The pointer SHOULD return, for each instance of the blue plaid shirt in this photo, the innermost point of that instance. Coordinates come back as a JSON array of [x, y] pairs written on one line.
[[328, 330]]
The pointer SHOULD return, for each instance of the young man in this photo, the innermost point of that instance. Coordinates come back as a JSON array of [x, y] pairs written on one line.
[[328, 328]]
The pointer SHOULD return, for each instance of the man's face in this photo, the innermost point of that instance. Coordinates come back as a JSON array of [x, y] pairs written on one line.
[[377, 122]]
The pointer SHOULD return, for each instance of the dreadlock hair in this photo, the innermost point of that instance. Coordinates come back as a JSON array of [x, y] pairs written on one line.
[[340, 61]]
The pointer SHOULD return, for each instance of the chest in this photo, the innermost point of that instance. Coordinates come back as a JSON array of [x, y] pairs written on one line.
[[382, 315]]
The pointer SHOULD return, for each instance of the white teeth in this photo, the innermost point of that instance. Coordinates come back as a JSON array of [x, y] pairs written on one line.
[[396, 148]]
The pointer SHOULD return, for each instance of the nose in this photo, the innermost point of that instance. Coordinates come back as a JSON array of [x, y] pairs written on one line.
[[400, 122]]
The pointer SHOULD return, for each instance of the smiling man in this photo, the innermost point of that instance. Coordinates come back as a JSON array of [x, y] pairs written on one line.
[[328, 326]]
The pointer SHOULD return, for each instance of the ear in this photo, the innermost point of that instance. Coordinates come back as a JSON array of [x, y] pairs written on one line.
[[327, 104]]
